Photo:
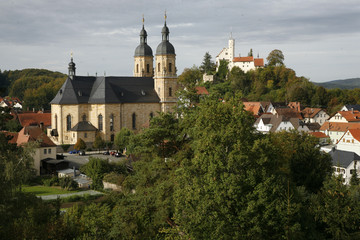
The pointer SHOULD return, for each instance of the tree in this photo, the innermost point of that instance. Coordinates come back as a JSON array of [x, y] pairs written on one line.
[[80, 144], [354, 180], [96, 168], [65, 147], [275, 58], [222, 72], [250, 54], [122, 138], [207, 66], [190, 77], [99, 143]]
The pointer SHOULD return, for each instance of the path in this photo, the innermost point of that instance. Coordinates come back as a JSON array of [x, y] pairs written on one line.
[[55, 196]]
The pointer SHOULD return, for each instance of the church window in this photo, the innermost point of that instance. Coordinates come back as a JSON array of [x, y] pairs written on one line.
[[147, 68], [137, 68], [112, 122], [68, 122], [133, 121], [112, 137], [158, 67], [100, 122], [85, 135], [170, 67], [84, 118], [170, 91]]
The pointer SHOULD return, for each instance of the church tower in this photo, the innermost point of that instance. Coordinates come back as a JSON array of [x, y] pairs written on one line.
[[71, 68], [143, 57], [165, 72]]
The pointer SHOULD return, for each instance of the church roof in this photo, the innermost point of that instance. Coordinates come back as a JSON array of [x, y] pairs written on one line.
[[84, 127], [102, 90]]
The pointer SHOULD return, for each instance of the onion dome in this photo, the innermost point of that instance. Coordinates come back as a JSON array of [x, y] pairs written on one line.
[[165, 47], [143, 49]]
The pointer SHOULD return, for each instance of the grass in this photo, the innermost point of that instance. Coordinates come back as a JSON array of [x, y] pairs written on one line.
[[43, 190]]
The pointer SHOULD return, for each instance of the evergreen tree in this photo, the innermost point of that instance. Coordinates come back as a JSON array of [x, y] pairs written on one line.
[[207, 66]]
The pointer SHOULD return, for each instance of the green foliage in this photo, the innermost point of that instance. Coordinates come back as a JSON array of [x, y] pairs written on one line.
[[99, 143], [68, 183], [207, 66], [96, 169], [80, 144], [114, 178], [53, 181], [65, 147], [275, 58], [122, 138], [222, 72]]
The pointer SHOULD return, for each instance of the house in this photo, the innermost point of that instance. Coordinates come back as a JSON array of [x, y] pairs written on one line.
[[314, 115], [40, 119], [45, 150], [288, 112], [244, 63], [323, 138], [335, 130], [346, 116], [89, 105], [349, 107], [254, 107], [350, 141], [344, 163], [274, 123], [201, 91]]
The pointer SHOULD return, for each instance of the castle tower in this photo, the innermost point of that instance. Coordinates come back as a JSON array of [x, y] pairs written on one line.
[[231, 48], [165, 72], [143, 57]]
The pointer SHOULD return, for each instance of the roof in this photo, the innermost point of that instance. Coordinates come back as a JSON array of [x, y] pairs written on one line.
[[355, 133], [13, 136], [276, 120], [201, 90], [254, 107], [343, 158], [259, 62], [339, 126], [313, 126], [319, 134], [243, 59], [288, 112], [164, 48], [354, 107], [143, 50], [32, 118], [350, 116], [102, 90], [311, 112], [32, 134], [84, 126]]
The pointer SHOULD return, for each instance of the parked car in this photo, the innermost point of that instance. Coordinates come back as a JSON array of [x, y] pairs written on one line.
[[82, 153], [106, 153], [74, 152], [112, 153], [117, 154]]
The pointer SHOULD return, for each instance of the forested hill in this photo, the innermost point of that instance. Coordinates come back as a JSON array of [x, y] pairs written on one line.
[[342, 84], [35, 87]]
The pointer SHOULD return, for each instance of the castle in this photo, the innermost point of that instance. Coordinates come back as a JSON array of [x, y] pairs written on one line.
[[87, 105], [244, 63]]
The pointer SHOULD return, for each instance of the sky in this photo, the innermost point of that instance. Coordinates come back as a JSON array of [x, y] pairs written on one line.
[[320, 39]]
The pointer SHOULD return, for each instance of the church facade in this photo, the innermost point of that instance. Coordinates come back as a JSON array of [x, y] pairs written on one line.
[[86, 105]]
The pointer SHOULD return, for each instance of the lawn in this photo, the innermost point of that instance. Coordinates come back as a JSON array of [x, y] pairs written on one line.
[[43, 190]]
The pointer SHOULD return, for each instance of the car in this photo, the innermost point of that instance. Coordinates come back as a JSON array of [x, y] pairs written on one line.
[[82, 153], [112, 153], [117, 154], [106, 153]]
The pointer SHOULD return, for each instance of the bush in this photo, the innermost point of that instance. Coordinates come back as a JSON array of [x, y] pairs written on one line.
[[53, 181], [68, 184], [114, 178]]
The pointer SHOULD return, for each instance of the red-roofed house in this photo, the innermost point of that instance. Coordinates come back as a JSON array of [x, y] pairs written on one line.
[[346, 116], [254, 107], [201, 90], [323, 138], [39, 119], [350, 141], [244, 63], [335, 130], [314, 115], [46, 148]]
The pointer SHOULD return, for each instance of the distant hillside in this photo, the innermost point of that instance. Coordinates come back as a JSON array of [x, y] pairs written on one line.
[[342, 84]]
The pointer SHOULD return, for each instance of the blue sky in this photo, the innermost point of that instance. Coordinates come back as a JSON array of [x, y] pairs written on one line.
[[319, 39]]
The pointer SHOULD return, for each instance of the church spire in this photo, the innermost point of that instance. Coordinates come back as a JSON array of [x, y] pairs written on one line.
[[165, 30], [143, 33], [72, 67]]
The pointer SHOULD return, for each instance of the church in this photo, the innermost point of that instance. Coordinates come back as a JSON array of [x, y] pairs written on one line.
[[87, 105]]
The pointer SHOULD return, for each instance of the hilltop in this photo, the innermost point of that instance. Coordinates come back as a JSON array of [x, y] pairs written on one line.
[[341, 83]]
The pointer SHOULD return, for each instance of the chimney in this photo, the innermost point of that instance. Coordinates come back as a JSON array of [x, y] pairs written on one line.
[[352, 110], [33, 109]]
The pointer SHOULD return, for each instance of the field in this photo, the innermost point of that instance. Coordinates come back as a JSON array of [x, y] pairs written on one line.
[[43, 190]]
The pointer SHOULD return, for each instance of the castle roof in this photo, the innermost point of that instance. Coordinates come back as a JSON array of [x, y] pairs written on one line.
[[243, 59], [259, 62], [102, 90]]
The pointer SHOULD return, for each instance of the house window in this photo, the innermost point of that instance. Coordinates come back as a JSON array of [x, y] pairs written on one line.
[[158, 67], [133, 121], [147, 68], [170, 67], [112, 122], [112, 137], [84, 118], [343, 139], [49, 150], [45, 151], [170, 91], [85, 135], [100, 122], [68, 122], [352, 140]]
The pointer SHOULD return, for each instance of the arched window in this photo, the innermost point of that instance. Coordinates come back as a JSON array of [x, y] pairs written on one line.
[[147, 68], [151, 115], [84, 118], [100, 122], [112, 137], [55, 121], [68, 122], [133, 121], [170, 67], [111, 122], [158, 67], [170, 91], [137, 68]]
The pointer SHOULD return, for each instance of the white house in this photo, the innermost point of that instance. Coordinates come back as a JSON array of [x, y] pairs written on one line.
[[314, 115], [244, 63], [346, 116], [350, 141], [344, 163], [275, 123]]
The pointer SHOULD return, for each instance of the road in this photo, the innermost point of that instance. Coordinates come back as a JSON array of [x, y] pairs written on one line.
[[77, 160], [55, 196]]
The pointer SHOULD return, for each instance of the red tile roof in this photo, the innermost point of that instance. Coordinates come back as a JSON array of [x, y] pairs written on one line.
[[243, 59], [288, 112], [32, 134], [351, 116], [259, 62], [310, 112], [253, 107], [27, 119], [355, 133], [319, 134], [201, 90], [339, 126]]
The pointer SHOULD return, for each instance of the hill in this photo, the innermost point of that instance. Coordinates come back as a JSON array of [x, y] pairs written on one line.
[[350, 83]]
